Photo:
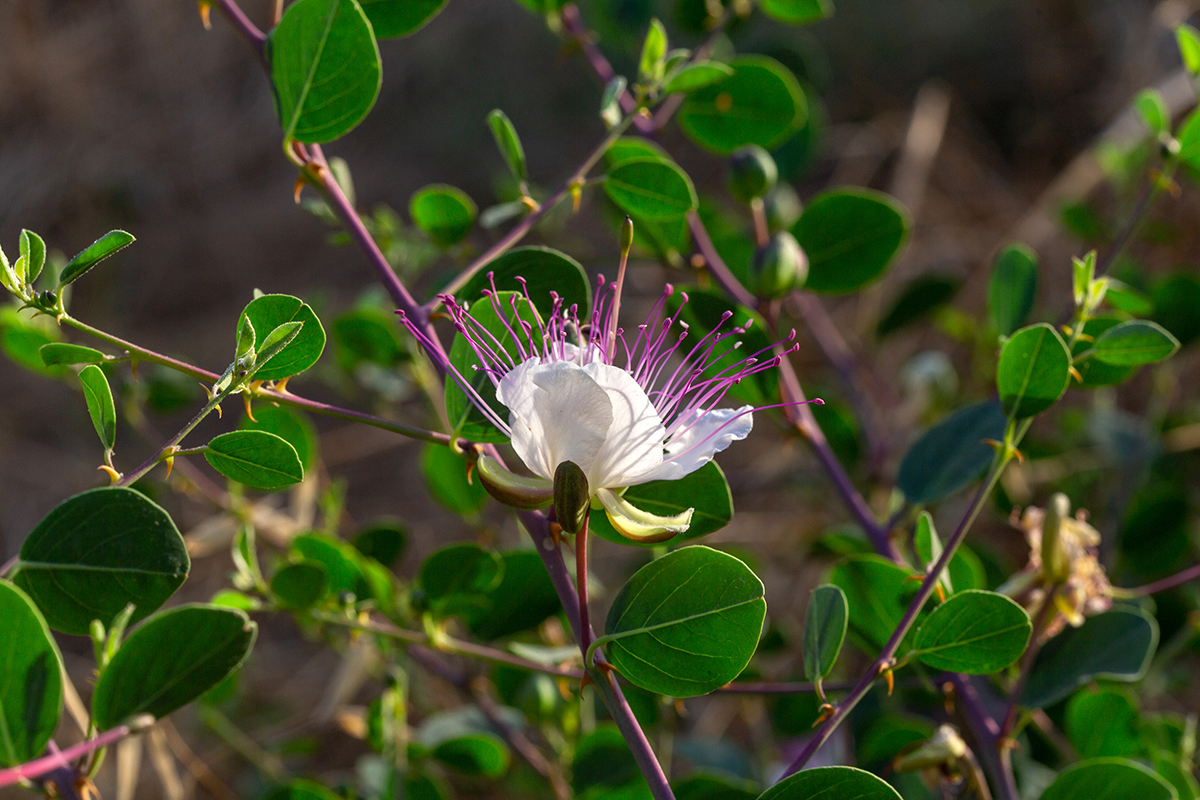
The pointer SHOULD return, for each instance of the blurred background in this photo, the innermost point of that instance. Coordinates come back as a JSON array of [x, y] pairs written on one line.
[[989, 119]]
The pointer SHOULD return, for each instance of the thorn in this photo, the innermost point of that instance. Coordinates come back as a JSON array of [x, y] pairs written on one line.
[[556, 534], [170, 462], [133, 366], [576, 197], [1020, 456], [280, 386], [890, 677], [1066, 329], [941, 593], [995, 445], [113, 475], [948, 696], [585, 682], [207, 392], [823, 713], [217, 408], [530, 203], [470, 473], [299, 187], [249, 413], [205, 14], [1083, 337], [1075, 374]]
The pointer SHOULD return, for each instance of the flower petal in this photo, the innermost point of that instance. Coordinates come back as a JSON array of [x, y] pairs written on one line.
[[634, 444], [699, 439], [557, 413], [641, 526]]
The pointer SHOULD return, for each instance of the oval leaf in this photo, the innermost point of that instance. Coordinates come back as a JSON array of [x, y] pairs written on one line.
[[878, 592], [508, 142], [523, 599], [1012, 288], [477, 754], [850, 237], [325, 69], [270, 311], [290, 425], [33, 249], [706, 490], [687, 623], [97, 251], [697, 75], [1135, 343], [100, 404], [170, 660], [543, 270], [796, 12], [31, 694], [393, 18], [63, 353], [1094, 371], [831, 782], [974, 632], [651, 188], [255, 458], [1034, 370], [824, 630], [96, 553], [299, 586], [952, 454], [458, 571], [761, 103], [1108, 779], [445, 473], [443, 212]]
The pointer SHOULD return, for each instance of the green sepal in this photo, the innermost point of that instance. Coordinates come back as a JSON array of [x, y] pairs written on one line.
[[511, 489], [641, 526]]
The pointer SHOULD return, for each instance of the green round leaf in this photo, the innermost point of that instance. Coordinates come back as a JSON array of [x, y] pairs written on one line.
[[270, 311], [831, 782], [300, 585], [543, 269], [460, 570], [697, 75], [1116, 645], [824, 630], [443, 212], [445, 473], [96, 252], [1108, 779], [393, 18], [383, 540], [651, 188], [952, 454], [628, 148], [255, 458], [878, 592], [477, 754], [686, 624], [705, 490], [918, 299], [340, 559], [1102, 723], [1012, 288], [96, 553], [1094, 371], [974, 632], [1135, 343], [522, 600], [761, 103], [850, 237], [367, 334], [325, 68], [796, 12], [1177, 306], [290, 425], [63, 353], [31, 694], [100, 405], [170, 660], [1034, 370]]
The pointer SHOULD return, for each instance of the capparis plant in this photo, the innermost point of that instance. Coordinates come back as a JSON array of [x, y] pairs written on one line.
[[921, 666]]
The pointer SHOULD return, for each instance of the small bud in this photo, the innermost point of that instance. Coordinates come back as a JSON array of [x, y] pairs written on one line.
[[571, 497], [626, 236], [779, 267], [752, 173], [1055, 567], [782, 207]]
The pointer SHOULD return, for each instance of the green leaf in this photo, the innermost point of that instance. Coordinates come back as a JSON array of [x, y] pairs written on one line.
[[952, 454], [96, 252], [325, 68], [843, 783], [697, 75], [367, 334], [850, 237], [522, 600], [1124, 297], [610, 101], [1094, 371], [686, 624], [628, 148], [651, 188], [928, 546], [1152, 108], [63, 353], [1108, 779], [654, 50], [393, 18], [477, 754], [509, 143], [1135, 343], [299, 586], [1102, 723], [255, 458], [761, 103], [797, 12], [1177, 306], [170, 660], [31, 693], [1012, 288], [22, 338], [1033, 371], [467, 420], [443, 212], [458, 571], [705, 490], [33, 250], [702, 786], [343, 564], [383, 541], [1116, 645], [918, 299], [96, 553], [603, 763], [290, 425], [270, 311], [543, 269], [824, 630], [973, 632], [302, 790], [100, 404], [878, 593], [445, 473], [1189, 47]]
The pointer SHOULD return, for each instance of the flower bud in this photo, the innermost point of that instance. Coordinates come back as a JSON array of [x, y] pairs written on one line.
[[752, 173], [511, 489], [572, 500], [779, 267], [1055, 566], [626, 236], [783, 207]]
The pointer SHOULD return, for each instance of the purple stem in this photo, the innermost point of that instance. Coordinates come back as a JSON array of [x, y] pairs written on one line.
[[986, 732], [573, 24], [249, 31], [1170, 582], [32, 770]]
